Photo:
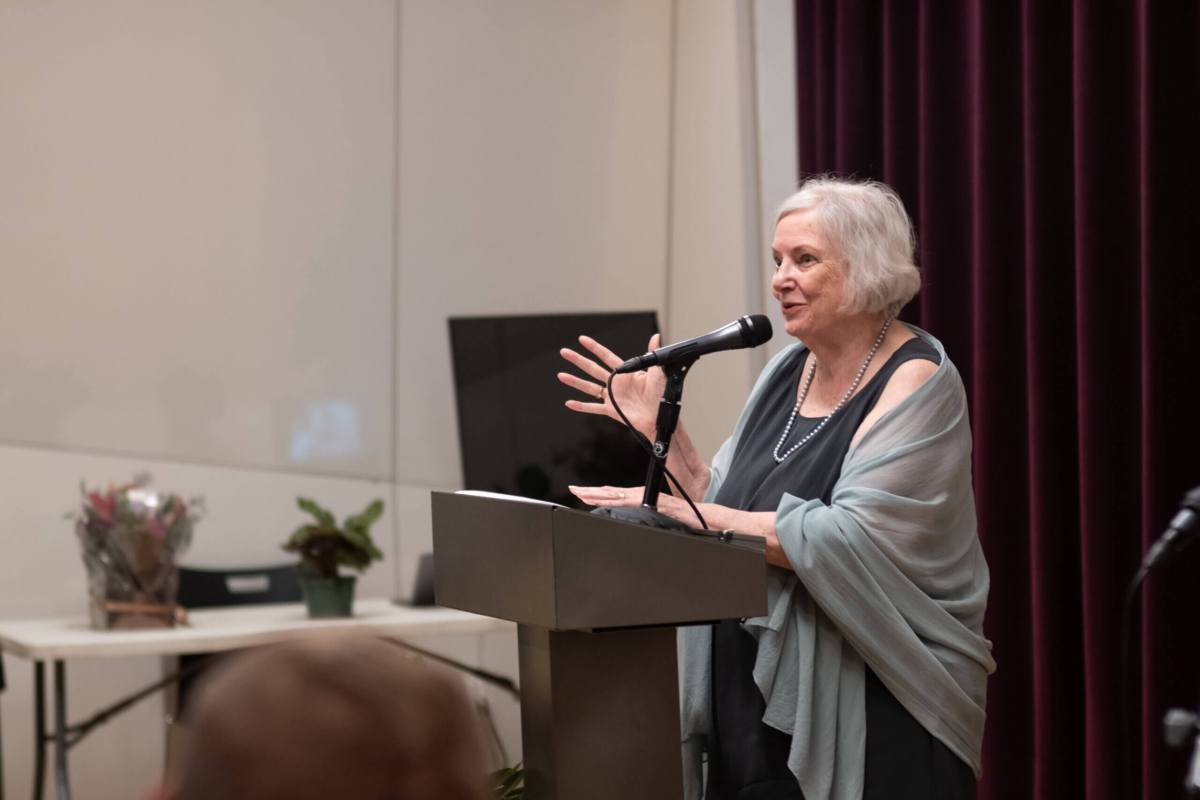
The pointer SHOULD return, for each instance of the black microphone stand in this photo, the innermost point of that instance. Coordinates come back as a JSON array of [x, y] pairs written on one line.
[[664, 429], [665, 424]]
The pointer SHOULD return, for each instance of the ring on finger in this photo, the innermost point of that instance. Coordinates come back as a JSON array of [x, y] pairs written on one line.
[[603, 394]]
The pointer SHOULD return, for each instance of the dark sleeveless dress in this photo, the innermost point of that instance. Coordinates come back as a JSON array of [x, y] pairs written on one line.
[[747, 760]]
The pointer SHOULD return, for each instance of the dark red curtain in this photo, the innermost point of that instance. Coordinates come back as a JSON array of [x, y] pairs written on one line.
[[1048, 152]]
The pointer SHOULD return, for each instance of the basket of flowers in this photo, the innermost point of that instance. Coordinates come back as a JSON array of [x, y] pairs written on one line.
[[130, 536]]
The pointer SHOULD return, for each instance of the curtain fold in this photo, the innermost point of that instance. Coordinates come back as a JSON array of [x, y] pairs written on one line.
[[1048, 154]]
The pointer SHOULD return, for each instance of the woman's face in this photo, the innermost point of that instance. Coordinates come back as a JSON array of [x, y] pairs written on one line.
[[809, 280]]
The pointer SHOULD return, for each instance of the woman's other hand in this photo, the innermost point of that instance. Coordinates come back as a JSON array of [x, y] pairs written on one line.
[[719, 518], [609, 496], [623, 496], [637, 393]]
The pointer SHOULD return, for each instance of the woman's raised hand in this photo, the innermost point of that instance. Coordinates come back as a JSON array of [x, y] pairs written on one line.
[[637, 393]]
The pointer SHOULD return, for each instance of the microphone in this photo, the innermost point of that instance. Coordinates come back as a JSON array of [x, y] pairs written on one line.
[[749, 331], [1182, 527]]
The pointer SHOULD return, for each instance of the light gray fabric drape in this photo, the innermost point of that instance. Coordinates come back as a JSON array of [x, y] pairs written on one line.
[[890, 573]]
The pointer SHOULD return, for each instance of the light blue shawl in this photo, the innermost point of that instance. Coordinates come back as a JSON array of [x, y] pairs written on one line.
[[890, 573]]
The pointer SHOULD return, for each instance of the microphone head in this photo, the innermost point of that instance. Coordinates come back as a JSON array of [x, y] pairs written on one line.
[[756, 329]]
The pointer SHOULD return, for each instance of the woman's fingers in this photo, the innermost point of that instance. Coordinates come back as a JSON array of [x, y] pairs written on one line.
[[585, 364], [595, 391], [587, 408], [608, 357], [608, 495]]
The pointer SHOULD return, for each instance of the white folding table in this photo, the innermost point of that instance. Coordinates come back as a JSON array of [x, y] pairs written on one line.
[[208, 630]]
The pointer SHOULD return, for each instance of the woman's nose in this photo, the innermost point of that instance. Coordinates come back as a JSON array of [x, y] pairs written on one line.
[[781, 278]]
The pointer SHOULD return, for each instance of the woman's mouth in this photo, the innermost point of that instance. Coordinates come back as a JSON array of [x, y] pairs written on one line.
[[791, 307]]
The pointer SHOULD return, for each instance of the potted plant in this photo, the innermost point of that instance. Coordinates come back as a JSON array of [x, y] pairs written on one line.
[[323, 546]]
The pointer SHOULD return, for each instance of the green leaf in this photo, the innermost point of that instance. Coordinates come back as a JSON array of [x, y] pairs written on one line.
[[325, 547], [367, 517], [356, 537], [323, 517], [361, 541], [509, 783], [299, 537]]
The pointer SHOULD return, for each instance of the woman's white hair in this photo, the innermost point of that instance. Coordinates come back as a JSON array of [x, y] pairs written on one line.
[[867, 225]]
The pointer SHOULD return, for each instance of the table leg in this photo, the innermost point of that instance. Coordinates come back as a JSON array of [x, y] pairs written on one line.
[[62, 779], [39, 728]]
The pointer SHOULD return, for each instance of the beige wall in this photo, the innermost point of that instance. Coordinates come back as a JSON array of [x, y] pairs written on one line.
[[538, 184], [778, 151], [714, 236], [231, 234]]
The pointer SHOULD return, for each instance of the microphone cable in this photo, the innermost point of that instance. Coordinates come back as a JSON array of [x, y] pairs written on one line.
[[644, 443]]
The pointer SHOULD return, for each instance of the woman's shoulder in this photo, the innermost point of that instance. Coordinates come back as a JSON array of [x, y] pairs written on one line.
[[918, 347], [926, 344], [915, 361], [922, 357], [906, 379]]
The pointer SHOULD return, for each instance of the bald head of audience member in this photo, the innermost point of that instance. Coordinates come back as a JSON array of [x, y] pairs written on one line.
[[331, 718]]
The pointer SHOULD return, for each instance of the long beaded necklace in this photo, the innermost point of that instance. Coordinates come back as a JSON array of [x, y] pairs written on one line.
[[812, 373]]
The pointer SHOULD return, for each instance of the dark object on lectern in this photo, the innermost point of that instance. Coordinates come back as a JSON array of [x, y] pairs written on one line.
[[597, 601], [641, 515]]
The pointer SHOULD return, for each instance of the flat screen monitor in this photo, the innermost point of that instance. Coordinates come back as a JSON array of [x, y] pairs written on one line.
[[516, 435]]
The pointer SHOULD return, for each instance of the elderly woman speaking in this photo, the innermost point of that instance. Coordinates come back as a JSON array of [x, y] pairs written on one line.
[[852, 459]]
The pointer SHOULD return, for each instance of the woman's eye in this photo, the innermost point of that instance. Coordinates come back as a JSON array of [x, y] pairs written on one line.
[[807, 258]]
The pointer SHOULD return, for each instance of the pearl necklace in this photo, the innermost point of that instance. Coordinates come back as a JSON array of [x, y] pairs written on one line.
[[812, 373]]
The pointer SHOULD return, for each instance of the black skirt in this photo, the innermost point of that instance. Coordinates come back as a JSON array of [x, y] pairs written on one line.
[[904, 761]]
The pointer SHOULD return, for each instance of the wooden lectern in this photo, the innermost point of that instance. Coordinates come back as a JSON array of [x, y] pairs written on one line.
[[596, 602]]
